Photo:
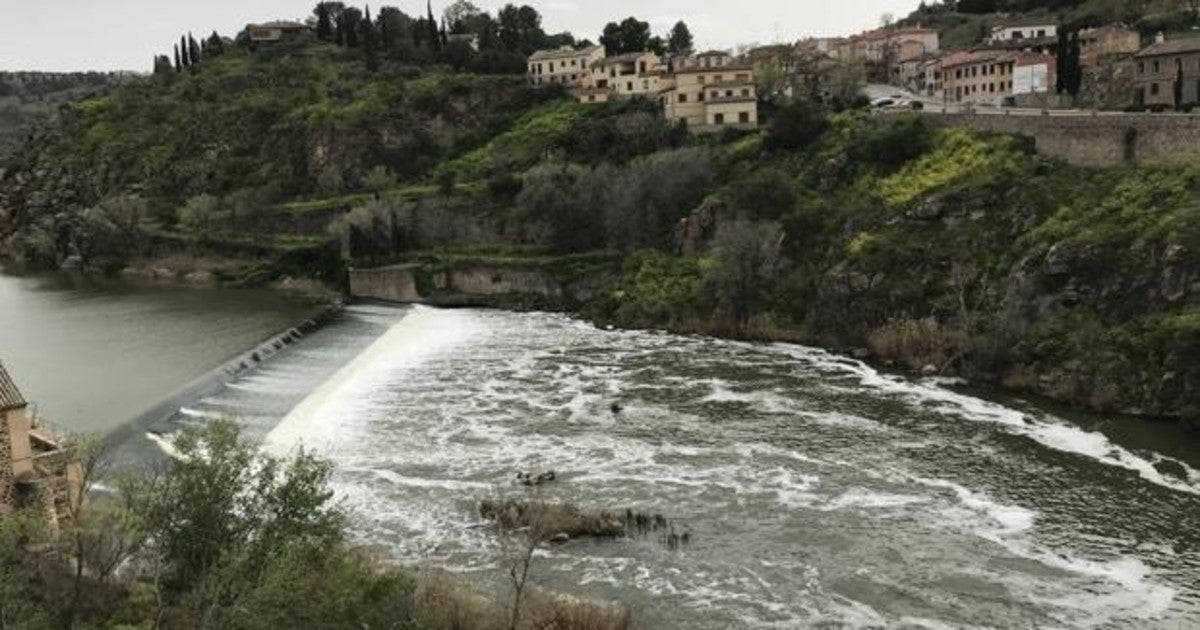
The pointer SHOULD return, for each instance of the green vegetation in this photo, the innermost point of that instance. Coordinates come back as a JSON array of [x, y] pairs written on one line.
[[224, 536], [951, 249]]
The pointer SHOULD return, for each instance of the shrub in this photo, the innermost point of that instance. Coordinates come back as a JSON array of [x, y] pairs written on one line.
[[795, 127]]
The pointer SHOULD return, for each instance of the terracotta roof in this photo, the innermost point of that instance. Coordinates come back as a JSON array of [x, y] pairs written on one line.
[[561, 52], [717, 69], [10, 396], [282, 24], [1171, 47]]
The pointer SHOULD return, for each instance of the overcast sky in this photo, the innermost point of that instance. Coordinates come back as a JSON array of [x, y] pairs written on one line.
[[63, 35]]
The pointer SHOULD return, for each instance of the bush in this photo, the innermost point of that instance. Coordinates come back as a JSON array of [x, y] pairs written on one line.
[[796, 127]]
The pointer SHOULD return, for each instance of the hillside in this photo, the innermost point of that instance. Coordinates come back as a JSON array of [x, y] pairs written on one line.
[[945, 251], [28, 99], [966, 22]]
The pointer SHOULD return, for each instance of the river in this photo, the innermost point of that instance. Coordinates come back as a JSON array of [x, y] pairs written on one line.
[[815, 490]]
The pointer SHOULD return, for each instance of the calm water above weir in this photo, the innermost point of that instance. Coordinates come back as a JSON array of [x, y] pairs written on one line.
[[815, 490], [95, 353]]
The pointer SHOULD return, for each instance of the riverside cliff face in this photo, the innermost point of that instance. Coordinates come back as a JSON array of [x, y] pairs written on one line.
[[942, 250]]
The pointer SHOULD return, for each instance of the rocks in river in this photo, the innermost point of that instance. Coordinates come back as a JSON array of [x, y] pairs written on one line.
[[929, 370], [536, 479]]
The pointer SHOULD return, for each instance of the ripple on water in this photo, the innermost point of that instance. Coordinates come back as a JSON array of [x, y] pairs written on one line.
[[815, 489]]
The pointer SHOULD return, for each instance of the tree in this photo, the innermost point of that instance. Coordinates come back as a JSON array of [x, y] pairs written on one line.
[[680, 40], [183, 51], [747, 256], [324, 22], [162, 65], [199, 212], [348, 27], [461, 16], [631, 35], [520, 29], [178, 60], [214, 46], [193, 51], [222, 500], [431, 24], [370, 43]]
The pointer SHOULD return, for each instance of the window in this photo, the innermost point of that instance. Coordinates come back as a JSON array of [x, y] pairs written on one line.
[[683, 98], [729, 93], [1157, 68], [591, 98], [700, 96], [743, 77], [715, 94], [572, 63], [719, 119], [1153, 89], [744, 117], [1041, 32], [746, 92], [1141, 67], [551, 66], [629, 86], [958, 73], [700, 79], [718, 78]]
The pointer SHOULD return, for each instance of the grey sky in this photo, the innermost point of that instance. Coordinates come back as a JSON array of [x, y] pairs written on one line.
[[62, 35]]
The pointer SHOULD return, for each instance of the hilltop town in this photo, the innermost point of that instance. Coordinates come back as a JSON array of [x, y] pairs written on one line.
[[1033, 61]]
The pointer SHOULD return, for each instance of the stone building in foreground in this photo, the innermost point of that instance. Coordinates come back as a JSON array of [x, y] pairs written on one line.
[[38, 470]]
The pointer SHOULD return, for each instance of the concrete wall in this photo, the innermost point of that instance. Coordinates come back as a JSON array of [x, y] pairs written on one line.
[[1087, 140], [476, 284]]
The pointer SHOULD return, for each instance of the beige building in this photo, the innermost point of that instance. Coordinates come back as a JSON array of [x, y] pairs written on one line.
[[271, 32], [1168, 73], [628, 75], [1022, 30], [713, 98], [37, 469], [977, 77], [564, 66]]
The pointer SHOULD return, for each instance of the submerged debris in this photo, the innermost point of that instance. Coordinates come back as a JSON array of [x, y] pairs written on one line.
[[533, 479], [560, 522]]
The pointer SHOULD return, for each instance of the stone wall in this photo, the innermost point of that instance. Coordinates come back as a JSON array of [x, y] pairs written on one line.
[[1093, 140], [480, 283]]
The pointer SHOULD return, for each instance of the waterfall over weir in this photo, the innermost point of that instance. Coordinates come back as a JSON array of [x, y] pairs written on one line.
[[814, 489]]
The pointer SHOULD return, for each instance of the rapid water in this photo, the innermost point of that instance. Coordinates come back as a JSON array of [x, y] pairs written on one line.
[[816, 491]]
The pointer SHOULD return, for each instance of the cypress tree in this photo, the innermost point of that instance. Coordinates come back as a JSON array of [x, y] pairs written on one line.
[[193, 51], [178, 61], [432, 26], [183, 51]]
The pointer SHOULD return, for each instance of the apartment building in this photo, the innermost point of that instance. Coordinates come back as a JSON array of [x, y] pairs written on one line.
[[628, 75], [1168, 73], [712, 98], [564, 66]]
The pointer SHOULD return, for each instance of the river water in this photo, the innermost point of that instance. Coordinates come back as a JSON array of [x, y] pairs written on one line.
[[815, 490]]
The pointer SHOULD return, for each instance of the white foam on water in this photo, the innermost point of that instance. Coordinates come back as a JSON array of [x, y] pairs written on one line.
[[422, 333], [1046, 430], [866, 499], [166, 444]]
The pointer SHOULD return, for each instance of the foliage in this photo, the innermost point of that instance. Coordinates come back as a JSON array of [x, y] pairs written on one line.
[[795, 127], [958, 156], [655, 288]]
